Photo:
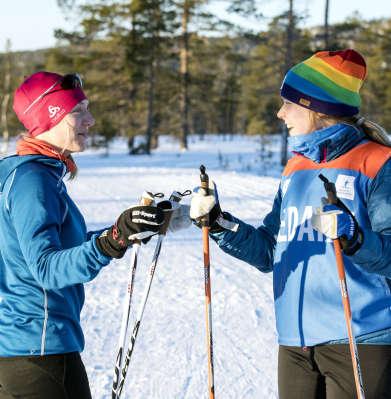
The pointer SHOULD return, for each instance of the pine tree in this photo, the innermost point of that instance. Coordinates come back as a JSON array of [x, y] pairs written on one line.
[[6, 97]]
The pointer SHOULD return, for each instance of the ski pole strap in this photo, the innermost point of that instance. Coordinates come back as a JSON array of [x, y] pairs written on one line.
[[148, 198], [176, 196], [332, 194]]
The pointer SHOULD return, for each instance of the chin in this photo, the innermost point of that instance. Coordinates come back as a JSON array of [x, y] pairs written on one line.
[[75, 149], [80, 147], [292, 132]]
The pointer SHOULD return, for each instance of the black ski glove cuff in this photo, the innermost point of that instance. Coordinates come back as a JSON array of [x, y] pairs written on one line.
[[215, 215], [215, 227], [109, 247], [350, 247]]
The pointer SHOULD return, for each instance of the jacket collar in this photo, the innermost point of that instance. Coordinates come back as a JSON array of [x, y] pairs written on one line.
[[327, 144]]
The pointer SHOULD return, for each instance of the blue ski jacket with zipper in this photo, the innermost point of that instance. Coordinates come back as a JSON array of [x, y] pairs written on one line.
[[46, 255], [307, 294]]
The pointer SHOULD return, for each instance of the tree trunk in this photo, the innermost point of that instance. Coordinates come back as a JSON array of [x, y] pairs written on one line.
[[129, 124], [4, 124], [151, 98], [6, 98], [326, 25], [184, 71], [288, 64]]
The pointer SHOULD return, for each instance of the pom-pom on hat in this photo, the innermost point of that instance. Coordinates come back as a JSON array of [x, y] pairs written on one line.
[[44, 98], [328, 82]]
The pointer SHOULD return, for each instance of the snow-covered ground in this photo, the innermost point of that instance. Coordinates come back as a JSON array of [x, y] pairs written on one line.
[[170, 358]]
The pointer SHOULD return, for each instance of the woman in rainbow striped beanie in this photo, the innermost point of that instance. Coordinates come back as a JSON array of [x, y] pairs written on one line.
[[321, 104], [328, 84]]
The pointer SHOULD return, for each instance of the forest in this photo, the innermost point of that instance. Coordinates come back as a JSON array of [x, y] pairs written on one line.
[[153, 67]]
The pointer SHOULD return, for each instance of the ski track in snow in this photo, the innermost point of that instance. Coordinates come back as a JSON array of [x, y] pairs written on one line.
[[170, 358]]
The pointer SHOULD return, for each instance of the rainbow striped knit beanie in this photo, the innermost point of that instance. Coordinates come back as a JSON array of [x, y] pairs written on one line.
[[328, 82]]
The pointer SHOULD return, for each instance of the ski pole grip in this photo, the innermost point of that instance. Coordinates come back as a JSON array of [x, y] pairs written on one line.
[[330, 190], [204, 180], [168, 208], [333, 199], [175, 196], [147, 199], [205, 188]]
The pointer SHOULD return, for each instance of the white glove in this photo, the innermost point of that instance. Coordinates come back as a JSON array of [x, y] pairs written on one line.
[[335, 222], [202, 204], [180, 219], [326, 222]]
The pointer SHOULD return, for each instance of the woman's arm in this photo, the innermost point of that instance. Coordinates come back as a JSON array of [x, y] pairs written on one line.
[[253, 245], [375, 252], [37, 214]]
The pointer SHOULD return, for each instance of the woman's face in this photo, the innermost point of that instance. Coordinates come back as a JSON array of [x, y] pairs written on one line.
[[297, 119], [70, 135]]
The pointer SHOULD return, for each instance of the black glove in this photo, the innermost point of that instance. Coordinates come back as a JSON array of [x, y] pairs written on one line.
[[136, 223]]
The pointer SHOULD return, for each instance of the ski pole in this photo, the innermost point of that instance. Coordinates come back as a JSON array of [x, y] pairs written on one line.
[[176, 197], [146, 199], [333, 199], [208, 297]]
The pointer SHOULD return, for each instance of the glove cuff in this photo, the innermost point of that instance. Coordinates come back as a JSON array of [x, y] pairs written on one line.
[[350, 247], [224, 222], [107, 247]]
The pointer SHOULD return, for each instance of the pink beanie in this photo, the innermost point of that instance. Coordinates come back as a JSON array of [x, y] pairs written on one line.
[[41, 101]]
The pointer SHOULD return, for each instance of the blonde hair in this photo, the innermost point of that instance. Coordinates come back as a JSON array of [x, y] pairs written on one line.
[[373, 130]]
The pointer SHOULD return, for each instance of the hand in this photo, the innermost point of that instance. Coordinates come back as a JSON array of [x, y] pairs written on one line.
[[177, 215], [202, 205], [337, 223], [136, 223], [180, 218]]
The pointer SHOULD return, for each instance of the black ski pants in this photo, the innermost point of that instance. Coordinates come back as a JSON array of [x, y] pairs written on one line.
[[44, 377], [326, 372]]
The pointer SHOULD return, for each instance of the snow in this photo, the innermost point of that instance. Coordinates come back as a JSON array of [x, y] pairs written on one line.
[[170, 357]]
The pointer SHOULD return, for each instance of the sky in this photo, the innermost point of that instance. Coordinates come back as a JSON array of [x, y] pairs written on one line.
[[30, 24]]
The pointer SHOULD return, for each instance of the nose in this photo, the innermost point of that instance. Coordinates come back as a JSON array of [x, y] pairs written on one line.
[[89, 120], [281, 113]]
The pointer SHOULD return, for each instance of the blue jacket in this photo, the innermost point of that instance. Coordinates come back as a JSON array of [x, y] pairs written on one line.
[[307, 295], [45, 256]]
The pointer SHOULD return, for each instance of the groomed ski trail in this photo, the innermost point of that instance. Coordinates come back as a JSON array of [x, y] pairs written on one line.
[[169, 360]]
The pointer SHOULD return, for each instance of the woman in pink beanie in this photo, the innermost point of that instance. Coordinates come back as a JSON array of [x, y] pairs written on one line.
[[46, 253]]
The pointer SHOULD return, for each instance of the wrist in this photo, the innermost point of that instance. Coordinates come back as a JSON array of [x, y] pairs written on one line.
[[108, 246], [351, 246], [224, 222]]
